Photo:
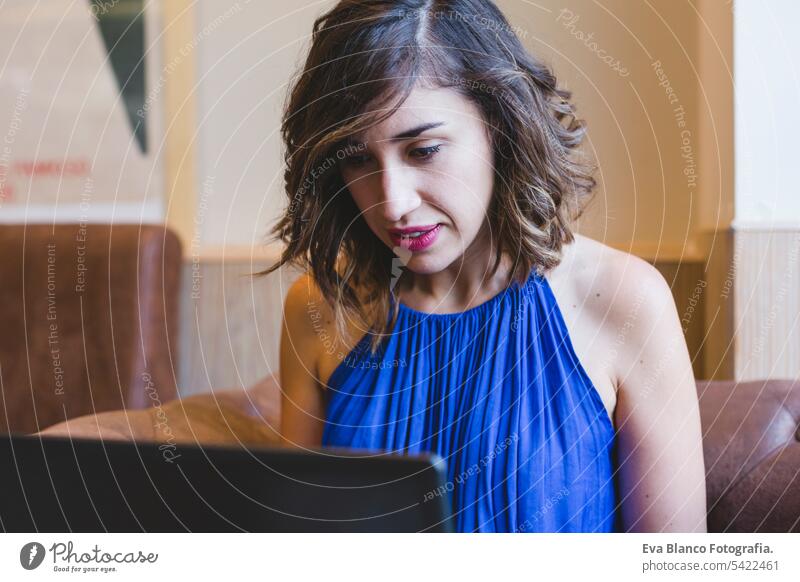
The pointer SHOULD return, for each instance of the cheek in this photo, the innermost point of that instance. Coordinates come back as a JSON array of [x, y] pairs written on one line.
[[469, 188], [481, 182], [473, 174]]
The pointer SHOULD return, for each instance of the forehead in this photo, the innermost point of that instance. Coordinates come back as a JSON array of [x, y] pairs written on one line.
[[427, 105]]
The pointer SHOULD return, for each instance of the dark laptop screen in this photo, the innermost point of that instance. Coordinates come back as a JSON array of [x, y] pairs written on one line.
[[60, 485]]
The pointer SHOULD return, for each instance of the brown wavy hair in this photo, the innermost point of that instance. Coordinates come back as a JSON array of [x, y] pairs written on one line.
[[365, 59]]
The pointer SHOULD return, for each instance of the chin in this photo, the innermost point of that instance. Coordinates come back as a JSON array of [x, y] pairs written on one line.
[[421, 264]]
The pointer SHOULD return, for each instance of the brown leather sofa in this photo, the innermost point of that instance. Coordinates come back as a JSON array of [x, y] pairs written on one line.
[[88, 320], [750, 429], [751, 444]]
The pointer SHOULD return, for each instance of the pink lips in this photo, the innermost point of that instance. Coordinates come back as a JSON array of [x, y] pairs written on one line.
[[422, 242]]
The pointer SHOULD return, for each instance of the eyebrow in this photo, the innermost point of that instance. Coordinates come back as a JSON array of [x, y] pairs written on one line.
[[417, 130], [408, 134]]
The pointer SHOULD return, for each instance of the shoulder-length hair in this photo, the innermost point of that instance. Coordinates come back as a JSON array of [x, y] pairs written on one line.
[[365, 59]]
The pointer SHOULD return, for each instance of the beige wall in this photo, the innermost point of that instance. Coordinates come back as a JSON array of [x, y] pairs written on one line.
[[244, 61], [643, 202]]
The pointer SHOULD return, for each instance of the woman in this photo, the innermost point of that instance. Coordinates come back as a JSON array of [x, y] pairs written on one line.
[[447, 306]]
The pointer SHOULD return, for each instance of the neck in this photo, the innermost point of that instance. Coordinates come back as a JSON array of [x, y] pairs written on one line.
[[467, 282]]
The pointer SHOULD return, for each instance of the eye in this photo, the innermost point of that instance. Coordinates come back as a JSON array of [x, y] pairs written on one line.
[[425, 154]]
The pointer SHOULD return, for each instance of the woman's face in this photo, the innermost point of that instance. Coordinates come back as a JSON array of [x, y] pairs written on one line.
[[429, 165]]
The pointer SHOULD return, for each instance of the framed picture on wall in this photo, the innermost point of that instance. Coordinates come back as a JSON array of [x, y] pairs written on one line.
[[80, 111]]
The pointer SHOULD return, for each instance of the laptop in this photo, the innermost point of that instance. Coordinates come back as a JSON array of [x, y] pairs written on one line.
[[80, 485]]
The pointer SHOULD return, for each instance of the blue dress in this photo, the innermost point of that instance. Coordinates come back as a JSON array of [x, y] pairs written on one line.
[[499, 393]]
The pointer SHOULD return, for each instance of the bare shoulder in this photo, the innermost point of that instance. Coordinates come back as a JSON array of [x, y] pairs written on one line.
[[305, 314], [310, 326], [302, 300], [307, 308], [614, 300], [613, 282]]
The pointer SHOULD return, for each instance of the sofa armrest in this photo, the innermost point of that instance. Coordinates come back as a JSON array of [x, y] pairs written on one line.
[[247, 416]]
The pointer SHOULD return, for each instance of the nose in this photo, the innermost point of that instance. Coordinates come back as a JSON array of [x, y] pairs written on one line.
[[398, 193]]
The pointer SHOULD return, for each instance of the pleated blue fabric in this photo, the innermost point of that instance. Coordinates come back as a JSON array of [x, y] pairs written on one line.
[[499, 393]]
